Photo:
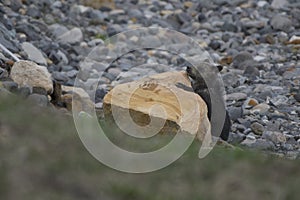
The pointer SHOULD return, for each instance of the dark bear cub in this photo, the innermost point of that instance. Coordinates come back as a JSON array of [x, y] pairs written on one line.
[[199, 86]]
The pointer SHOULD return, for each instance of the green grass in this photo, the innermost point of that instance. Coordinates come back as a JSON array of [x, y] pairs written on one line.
[[41, 157]]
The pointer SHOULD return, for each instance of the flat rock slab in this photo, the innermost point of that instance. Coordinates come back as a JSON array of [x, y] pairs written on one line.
[[156, 104]]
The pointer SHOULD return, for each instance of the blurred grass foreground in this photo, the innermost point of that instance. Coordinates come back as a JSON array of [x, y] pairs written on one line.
[[41, 157]]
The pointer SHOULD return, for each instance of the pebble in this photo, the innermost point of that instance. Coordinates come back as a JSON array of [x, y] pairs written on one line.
[[236, 96], [257, 128], [73, 36], [3, 73], [34, 53], [282, 23], [40, 100], [275, 137]]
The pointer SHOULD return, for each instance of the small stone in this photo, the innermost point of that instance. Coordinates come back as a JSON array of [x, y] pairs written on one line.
[[250, 70], [39, 90], [282, 23], [257, 128], [40, 100], [24, 92], [33, 53], [215, 45], [27, 73], [10, 86], [71, 37], [236, 138], [261, 144], [297, 97], [277, 4], [288, 147], [235, 113], [230, 27], [236, 96], [239, 59], [58, 30], [3, 73], [261, 109], [275, 137]]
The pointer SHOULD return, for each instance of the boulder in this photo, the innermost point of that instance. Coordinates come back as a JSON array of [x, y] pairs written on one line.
[[27, 73], [160, 100]]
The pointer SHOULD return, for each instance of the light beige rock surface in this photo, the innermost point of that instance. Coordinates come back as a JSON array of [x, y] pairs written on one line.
[[183, 110], [27, 73]]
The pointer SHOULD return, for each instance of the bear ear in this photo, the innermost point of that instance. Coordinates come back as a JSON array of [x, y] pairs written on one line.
[[220, 67]]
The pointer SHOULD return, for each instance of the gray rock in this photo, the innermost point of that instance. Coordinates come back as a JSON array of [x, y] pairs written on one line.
[[250, 70], [235, 113], [33, 11], [230, 27], [275, 137], [40, 100], [39, 90], [277, 4], [24, 91], [58, 30], [297, 96], [10, 86], [282, 23], [34, 53], [71, 37], [60, 77], [240, 59], [3, 73], [236, 96], [236, 138], [262, 144]]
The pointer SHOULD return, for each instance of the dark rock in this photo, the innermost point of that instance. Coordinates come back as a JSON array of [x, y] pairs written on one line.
[[33, 11], [235, 113], [250, 70], [230, 27], [10, 86], [201, 17], [239, 59], [24, 92], [39, 90], [3, 74], [40, 100], [29, 30], [261, 144], [100, 93], [215, 45], [297, 97], [236, 138]]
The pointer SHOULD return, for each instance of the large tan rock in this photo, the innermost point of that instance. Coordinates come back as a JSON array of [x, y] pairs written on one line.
[[27, 73], [159, 100]]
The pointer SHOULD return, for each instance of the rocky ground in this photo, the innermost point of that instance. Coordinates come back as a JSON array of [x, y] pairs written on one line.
[[258, 42]]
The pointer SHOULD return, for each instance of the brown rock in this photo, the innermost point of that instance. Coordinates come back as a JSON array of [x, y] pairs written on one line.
[[180, 109]]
